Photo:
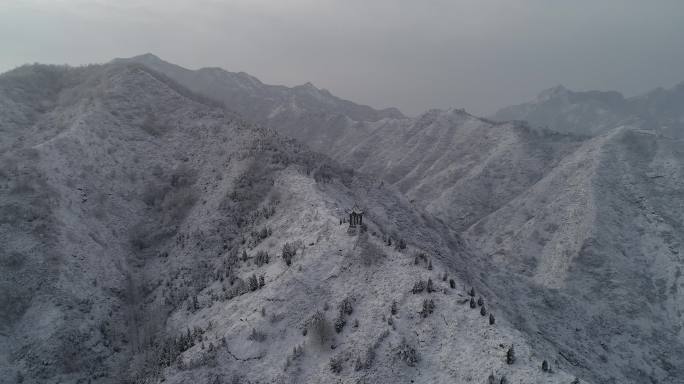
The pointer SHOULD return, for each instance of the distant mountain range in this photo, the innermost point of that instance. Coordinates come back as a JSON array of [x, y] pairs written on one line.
[[595, 112], [141, 204]]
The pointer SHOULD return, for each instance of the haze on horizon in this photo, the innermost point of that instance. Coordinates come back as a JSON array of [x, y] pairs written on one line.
[[480, 55]]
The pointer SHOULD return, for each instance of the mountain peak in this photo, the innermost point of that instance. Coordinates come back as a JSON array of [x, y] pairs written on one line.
[[556, 91], [147, 58]]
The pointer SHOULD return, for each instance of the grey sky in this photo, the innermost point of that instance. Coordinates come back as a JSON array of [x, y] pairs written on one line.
[[477, 54]]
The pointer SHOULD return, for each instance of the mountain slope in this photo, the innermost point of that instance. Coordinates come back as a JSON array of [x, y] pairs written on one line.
[[449, 162], [596, 246], [455, 165], [572, 233], [311, 115], [133, 213]]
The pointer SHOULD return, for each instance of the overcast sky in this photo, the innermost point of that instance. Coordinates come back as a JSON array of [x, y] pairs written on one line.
[[415, 55]]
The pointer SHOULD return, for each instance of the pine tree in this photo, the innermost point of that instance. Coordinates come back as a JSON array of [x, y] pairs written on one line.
[[510, 356], [545, 366]]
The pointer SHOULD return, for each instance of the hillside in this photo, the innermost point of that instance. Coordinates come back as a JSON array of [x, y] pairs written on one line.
[[136, 220], [456, 166], [313, 116], [573, 231], [593, 250]]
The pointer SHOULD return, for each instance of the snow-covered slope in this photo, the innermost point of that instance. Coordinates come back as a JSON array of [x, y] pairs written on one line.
[[590, 257], [313, 116], [455, 165], [555, 223], [133, 216]]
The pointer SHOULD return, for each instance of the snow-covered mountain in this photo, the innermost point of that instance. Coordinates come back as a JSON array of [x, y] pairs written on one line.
[[151, 236], [137, 214], [311, 115], [594, 250], [570, 233], [595, 112]]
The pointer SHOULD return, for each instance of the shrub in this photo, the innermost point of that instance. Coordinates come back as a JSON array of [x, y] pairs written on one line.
[[472, 303], [452, 284], [264, 233], [336, 364], [504, 380], [428, 308], [430, 287], [393, 308], [262, 281], [261, 258], [418, 287], [483, 311], [319, 327], [510, 356], [480, 301], [401, 244], [472, 292], [491, 379], [407, 354], [257, 336], [345, 307], [492, 320], [545, 366], [289, 251], [253, 283], [297, 351], [340, 323]]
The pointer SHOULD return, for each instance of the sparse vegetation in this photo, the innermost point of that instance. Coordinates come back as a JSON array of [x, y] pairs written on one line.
[[418, 287], [261, 258], [253, 283], [336, 364], [346, 307], [510, 356], [319, 328], [428, 308], [289, 252], [257, 336], [340, 323], [297, 351], [407, 353]]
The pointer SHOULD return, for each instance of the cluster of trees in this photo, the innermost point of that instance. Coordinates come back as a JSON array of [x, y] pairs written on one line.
[[289, 252], [345, 308]]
